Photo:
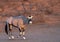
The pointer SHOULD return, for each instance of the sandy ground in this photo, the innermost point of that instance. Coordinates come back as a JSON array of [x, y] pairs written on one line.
[[35, 33]]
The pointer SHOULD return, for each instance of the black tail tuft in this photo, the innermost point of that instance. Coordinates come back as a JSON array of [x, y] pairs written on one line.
[[6, 28]]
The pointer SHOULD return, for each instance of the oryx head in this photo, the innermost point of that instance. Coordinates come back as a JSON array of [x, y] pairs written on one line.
[[30, 19]]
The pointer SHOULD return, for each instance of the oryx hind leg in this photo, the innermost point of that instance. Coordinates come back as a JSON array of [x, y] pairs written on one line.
[[10, 31]]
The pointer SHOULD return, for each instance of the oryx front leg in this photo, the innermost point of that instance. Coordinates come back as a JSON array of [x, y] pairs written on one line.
[[24, 35]]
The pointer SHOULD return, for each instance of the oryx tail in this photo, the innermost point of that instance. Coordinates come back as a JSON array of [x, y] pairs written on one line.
[[7, 28]]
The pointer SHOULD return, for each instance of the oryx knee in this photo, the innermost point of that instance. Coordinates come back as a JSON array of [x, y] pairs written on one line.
[[23, 33], [20, 33]]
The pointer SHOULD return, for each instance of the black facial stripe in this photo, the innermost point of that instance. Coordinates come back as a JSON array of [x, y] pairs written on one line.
[[29, 21]]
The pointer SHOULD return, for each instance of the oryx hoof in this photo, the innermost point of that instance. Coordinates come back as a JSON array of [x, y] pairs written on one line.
[[24, 38], [12, 37], [9, 37]]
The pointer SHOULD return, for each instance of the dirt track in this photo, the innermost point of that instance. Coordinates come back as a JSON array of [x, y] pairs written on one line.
[[36, 33]]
